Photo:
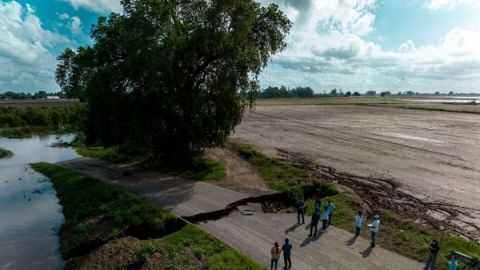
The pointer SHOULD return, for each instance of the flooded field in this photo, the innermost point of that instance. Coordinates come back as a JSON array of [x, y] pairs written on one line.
[[424, 163], [29, 211]]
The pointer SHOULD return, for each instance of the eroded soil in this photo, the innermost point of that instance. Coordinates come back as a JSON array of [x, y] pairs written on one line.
[[423, 164]]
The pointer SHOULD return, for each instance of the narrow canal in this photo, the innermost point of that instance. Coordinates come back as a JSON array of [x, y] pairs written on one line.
[[30, 214]]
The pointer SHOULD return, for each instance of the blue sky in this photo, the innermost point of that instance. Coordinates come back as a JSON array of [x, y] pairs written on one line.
[[396, 45]]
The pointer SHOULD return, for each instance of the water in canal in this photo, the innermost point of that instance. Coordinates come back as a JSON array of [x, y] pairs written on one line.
[[30, 215]]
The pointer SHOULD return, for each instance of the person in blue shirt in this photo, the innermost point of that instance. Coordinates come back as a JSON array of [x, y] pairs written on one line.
[[300, 205], [287, 253], [315, 220], [324, 219], [331, 208], [452, 264], [358, 223], [374, 229]]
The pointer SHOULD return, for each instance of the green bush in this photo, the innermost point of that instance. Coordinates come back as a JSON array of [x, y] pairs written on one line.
[[43, 116]]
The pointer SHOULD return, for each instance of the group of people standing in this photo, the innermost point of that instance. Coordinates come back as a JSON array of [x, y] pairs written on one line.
[[325, 213]]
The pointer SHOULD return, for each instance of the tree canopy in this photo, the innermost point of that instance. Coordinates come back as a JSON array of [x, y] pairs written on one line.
[[170, 77]]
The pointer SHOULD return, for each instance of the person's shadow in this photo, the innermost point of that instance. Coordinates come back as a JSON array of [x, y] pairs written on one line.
[[293, 228], [351, 241], [367, 252]]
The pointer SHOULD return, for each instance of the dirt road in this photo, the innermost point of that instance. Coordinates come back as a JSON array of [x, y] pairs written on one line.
[[428, 158]]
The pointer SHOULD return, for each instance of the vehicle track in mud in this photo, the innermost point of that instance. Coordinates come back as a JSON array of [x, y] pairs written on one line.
[[386, 193], [422, 164]]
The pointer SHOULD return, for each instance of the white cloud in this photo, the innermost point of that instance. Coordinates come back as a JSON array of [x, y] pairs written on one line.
[[328, 48], [76, 25], [441, 4], [97, 5], [26, 60], [407, 47]]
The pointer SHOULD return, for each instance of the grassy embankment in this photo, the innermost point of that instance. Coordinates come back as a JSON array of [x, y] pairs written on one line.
[[205, 169], [23, 122], [100, 215], [4, 153], [397, 234]]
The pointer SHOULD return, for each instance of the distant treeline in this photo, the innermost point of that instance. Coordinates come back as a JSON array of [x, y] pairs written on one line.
[[284, 92], [36, 95], [302, 92], [46, 117]]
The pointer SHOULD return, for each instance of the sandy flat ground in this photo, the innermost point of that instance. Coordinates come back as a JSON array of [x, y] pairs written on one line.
[[433, 155]]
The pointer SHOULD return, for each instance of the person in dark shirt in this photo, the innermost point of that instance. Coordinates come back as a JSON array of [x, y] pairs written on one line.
[[287, 253], [434, 248], [300, 205], [315, 220]]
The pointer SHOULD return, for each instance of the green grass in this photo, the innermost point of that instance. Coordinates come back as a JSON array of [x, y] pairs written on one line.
[[114, 210], [397, 234], [191, 241], [280, 176], [206, 169], [5, 153], [87, 202]]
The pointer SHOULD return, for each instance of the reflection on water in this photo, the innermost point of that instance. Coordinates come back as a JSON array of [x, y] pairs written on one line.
[[29, 211]]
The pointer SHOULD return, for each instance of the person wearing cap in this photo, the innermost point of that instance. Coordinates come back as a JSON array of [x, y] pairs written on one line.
[[374, 229], [434, 248]]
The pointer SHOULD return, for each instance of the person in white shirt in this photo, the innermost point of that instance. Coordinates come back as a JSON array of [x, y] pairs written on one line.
[[358, 223], [374, 229]]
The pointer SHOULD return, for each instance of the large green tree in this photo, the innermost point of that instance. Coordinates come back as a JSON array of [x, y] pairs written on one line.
[[171, 77]]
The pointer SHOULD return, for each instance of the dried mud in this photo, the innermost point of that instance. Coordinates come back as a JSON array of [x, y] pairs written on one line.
[[422, 164]]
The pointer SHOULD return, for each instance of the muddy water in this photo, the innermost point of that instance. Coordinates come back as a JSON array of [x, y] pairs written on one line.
[[29, 211]]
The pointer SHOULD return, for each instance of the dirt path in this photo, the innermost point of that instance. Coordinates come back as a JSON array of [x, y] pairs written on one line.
[[252, 234], [241, 176], [421, 163]]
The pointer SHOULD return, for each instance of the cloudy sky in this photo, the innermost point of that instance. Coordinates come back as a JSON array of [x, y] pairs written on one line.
[[420, 45]]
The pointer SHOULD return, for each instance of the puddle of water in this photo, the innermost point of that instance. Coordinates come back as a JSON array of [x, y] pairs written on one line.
[[410, 137], [30, 214]]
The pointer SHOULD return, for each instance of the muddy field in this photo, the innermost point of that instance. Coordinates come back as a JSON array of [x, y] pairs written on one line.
[[424, 164]]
